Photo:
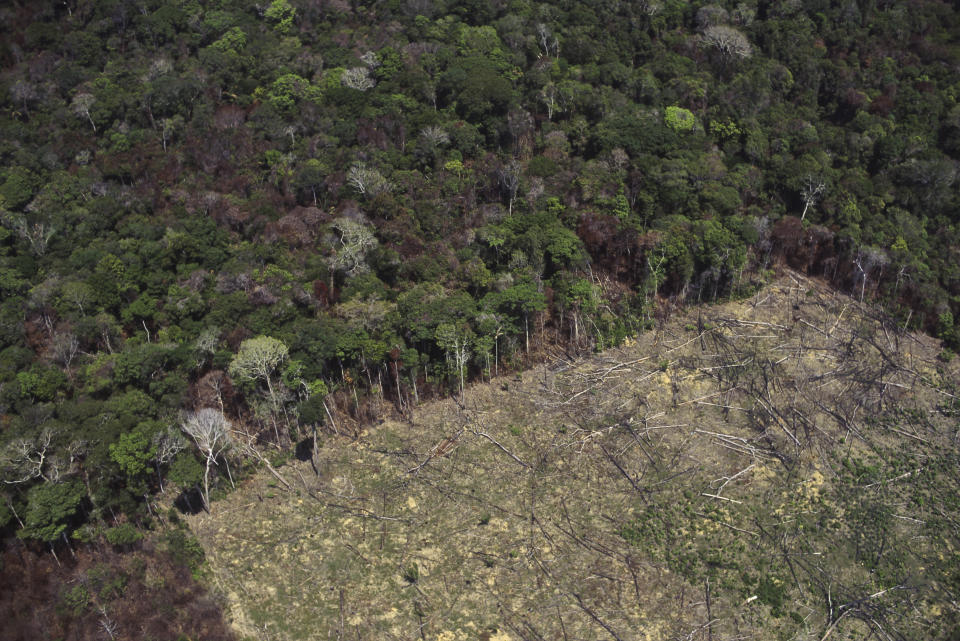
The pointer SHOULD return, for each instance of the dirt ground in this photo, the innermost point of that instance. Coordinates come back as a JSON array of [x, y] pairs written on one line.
[[681, 486]]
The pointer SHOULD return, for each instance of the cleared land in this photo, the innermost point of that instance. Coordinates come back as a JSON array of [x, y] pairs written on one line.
[[781, 467]]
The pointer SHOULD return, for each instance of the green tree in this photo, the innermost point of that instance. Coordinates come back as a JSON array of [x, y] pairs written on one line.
[[520, 300], [51, 508], [257, 361], [133, 452], [123, 536], [679, 119], [187, 473], [309, 177], [141, 310], [281, 15], [18, 187]]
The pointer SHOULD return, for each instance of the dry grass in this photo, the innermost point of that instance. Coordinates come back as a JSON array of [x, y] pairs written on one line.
[[627, 495]]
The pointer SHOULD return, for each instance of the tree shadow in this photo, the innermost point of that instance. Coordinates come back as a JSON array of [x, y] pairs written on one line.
[[190, 501], [304, 451]]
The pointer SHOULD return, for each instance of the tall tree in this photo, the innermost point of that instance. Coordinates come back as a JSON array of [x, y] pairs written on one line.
[[257, 361], [210, 430]]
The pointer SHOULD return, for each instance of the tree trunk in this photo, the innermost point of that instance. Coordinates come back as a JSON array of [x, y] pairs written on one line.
[[206, 486], [13, 510], [63, 535], [313, 453], [330, 416], [186, 497], [229, 475], [396, 374], [526, 331]]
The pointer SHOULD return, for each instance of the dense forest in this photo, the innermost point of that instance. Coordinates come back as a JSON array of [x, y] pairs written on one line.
[[228, 226]]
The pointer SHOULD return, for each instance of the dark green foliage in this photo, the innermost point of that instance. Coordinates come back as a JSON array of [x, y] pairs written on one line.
[[40, 383], [17, 188], [185, 471], [184, 549], [51, 509], [476, 87]]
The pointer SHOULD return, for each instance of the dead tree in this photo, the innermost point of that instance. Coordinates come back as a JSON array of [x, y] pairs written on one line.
[[210, 430]]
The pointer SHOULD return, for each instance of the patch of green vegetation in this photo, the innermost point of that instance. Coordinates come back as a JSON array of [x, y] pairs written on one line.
[[411, 573], [184, 549], [75, 600]]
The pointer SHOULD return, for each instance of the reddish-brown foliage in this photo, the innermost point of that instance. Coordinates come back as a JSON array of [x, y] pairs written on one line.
[[211, 389], [236, 337], [620, 252], [298, 228], [229, 117], [813, 250], [882, 105], [144, 593], [322, 293]]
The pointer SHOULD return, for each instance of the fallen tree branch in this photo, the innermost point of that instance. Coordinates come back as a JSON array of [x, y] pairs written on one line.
[[505, 450]]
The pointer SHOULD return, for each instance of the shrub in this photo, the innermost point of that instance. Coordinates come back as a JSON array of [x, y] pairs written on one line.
[[123, 535]]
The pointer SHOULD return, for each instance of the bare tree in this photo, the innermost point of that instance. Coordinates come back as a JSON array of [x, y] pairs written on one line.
[[547, 41], [291, 131], [81, 106], [168, 127], [866, 260], [109, 626], [435, 136], [210, 430], [64, 348], [37, 234], [811, 191], [206, 344], [24, 93], [456, 344], [650, 7], [76, 292], [41, 298], [730, 43], [358, 78], [25, 459], [168, 444], [355, 241], [619, 159], [549, 95], [509, 177], [367, 180], [711, 14], [743, 14], [495, 325], [520, 124]]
